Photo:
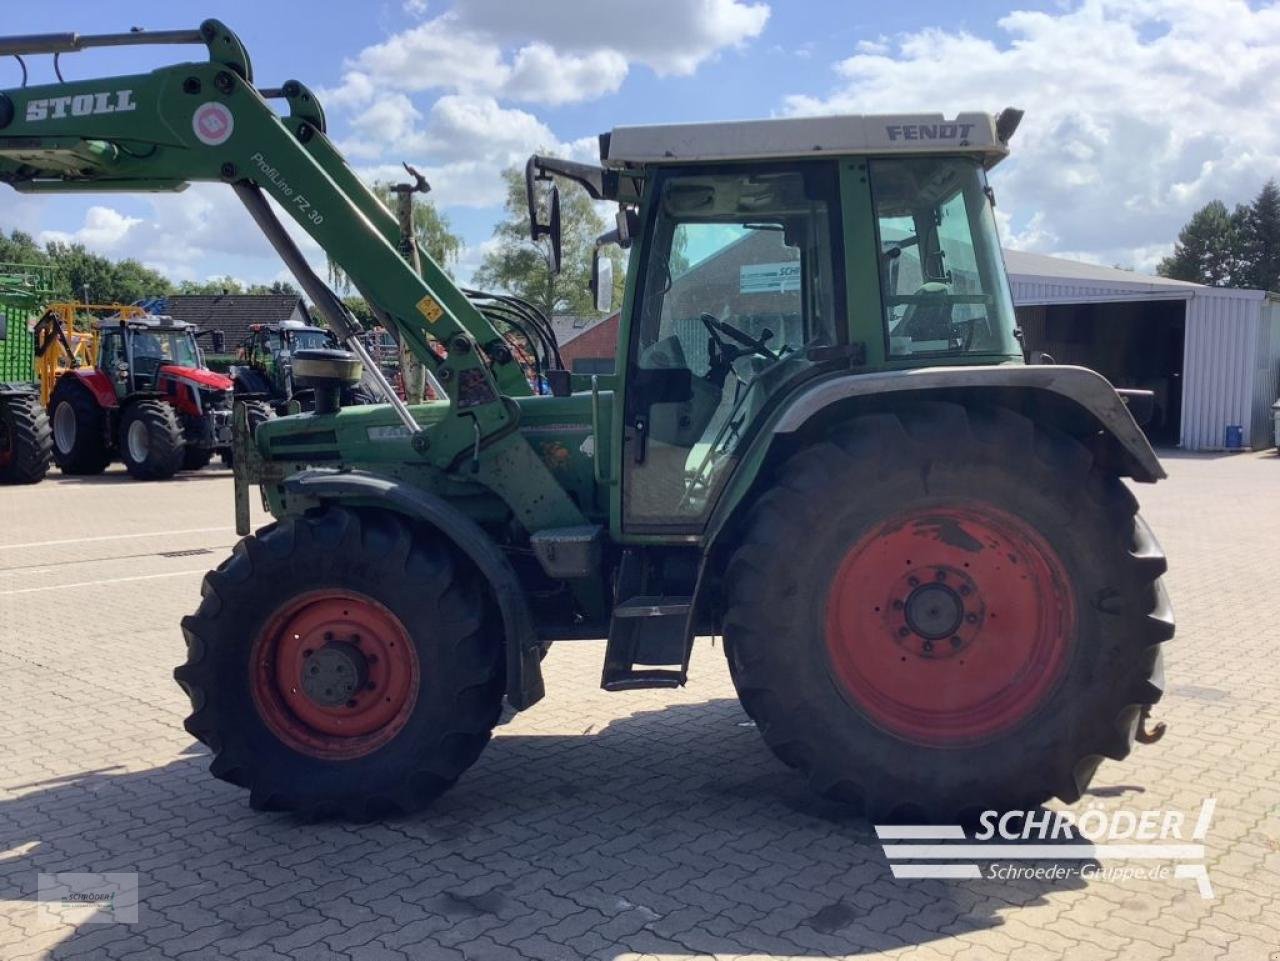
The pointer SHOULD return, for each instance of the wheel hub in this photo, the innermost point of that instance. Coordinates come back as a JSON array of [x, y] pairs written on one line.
[[334, 674], [940, 611], [950, 625]]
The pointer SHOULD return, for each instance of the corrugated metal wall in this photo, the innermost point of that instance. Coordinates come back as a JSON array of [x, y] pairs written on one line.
[[1266, 374], [1231, 364], [1218, 369]]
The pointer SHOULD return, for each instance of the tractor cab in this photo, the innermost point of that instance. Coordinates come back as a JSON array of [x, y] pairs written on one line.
[[134, 350]]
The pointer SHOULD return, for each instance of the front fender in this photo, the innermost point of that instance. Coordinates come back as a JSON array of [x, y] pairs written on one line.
[[523, 649]]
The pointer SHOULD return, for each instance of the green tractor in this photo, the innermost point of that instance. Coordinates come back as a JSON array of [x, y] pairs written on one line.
[[266, 373], [935, 590]]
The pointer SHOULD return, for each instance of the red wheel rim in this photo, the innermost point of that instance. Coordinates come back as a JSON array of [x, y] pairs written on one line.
[[334, 674], [951, 625]]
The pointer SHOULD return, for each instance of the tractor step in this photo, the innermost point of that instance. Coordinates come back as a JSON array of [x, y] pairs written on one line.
[[648, 634]]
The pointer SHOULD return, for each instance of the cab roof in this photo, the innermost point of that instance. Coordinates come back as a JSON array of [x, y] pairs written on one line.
[[981, 134], [157, 321]]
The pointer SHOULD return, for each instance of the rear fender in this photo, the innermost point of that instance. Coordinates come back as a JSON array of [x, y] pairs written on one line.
[[523, 649], [97, 383], [1076, 400]]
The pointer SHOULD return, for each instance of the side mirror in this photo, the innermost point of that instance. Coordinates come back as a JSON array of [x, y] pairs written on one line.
[[602, 283], [551, 228]]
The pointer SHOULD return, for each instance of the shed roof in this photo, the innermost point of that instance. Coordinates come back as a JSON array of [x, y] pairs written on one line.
[[1026, 264]]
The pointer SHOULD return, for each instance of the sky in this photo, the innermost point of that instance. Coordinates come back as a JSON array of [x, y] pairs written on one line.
[[1137, 111]]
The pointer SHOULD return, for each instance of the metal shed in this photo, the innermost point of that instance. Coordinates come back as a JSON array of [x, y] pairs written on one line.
[[1212, 354]]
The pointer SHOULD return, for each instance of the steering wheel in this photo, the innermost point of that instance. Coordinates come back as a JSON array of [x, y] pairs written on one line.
[[755, 345]]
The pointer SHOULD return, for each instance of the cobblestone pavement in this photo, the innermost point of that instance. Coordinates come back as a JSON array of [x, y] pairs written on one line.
[[596, 825]]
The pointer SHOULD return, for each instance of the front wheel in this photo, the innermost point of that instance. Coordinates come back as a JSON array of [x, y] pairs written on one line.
[[342, 663], [969, 615], [151, 442]]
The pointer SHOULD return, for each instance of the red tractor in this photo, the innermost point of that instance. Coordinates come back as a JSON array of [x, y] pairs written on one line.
[[134, 387]]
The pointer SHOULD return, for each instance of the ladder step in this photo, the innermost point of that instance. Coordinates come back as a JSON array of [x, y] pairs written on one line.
[[634, 680], [652, 605]]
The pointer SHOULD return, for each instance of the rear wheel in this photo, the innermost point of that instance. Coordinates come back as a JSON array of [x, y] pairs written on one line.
[[974, 621], [151, 441], [257, 413], [26, 440], [79, 429], [340, 664]]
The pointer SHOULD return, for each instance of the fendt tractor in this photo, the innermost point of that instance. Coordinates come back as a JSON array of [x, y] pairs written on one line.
[[266, 369], [934, 588], [132, 385]]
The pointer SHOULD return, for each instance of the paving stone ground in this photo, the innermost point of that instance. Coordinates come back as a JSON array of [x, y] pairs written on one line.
[[651, 824]]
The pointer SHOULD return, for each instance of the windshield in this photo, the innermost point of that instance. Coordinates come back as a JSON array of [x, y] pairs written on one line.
[[942, 276], [177, 348], [310, 339]]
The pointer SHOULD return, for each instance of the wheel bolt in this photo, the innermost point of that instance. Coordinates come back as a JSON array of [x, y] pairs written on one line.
[[956, 641], [328, 635], [913, 581], [971, 618], [355, 638], [940, 576], [928, 646], [308, 652], [964, 590], [903, 631], [897, 605], [351, 703], [369, 686]]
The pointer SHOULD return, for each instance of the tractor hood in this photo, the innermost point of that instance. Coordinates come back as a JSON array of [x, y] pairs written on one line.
[[197, 376]]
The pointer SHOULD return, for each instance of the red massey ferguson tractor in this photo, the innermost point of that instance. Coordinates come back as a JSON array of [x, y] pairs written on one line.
[[138, 390]]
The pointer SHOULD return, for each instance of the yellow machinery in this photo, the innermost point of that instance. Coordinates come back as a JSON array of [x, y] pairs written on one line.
[[62, 346]]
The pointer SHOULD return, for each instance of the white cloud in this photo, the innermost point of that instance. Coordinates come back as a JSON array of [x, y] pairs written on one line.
[[105, 230], [1138, 111], [541, 74], [671, 36]]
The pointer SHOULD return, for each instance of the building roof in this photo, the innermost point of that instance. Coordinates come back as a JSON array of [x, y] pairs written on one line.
[[1025, 264], [233, 314]]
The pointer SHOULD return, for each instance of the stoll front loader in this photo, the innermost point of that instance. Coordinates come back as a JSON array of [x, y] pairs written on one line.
[[821, 442]]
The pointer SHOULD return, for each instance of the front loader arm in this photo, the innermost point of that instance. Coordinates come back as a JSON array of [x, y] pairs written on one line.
[[207, 122]]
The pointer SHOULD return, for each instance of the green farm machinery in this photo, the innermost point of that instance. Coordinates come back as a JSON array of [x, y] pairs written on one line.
[[26, 441], [821, 442]]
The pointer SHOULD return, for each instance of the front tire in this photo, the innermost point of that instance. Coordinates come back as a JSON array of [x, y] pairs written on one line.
[[974, 621], [79, 429], [151, 442], [26, 440], [408, 674]]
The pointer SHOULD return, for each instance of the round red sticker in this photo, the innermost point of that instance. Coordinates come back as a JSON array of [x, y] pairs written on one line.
[[212, 123]]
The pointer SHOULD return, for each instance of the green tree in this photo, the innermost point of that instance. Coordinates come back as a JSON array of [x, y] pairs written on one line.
[[519, 266], [1208, 248], [21, 248], [102, 280], [430, 227], [1259, 242]]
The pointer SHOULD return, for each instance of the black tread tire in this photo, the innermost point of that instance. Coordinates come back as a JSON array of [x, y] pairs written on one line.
[[417, 578], [89, 453], [196, 458], [25, 425], [827, 494], [359, 396], [166, 445]]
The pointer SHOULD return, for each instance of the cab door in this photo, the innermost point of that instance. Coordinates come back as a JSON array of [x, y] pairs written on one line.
[[738, 293]]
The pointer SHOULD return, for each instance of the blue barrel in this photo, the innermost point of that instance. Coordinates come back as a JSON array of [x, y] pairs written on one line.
[[1235, 437]]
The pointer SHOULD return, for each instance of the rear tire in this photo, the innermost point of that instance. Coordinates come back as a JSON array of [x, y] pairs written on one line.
[[151, 441], [855, 679], [79, 429], [26, 440], [257, 412], [315, 580]]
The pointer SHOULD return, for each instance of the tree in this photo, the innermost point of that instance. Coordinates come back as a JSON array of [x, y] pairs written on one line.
[[83, 273], [430, 227], [1259, 241], [519, 266], [1208, 248]]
